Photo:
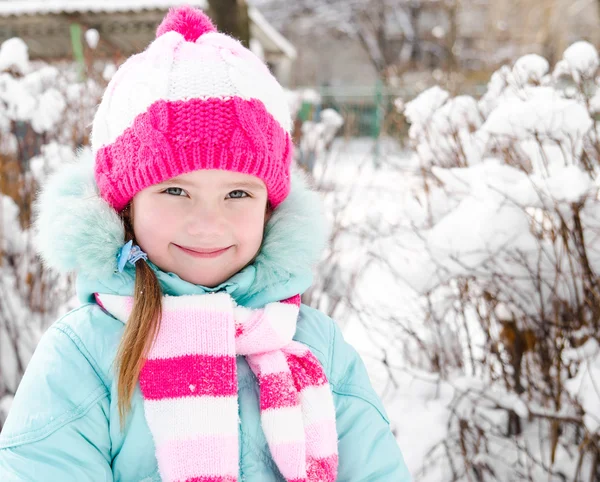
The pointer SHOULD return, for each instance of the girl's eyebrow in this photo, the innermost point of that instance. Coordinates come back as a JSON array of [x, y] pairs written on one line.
[[256, 185], [176, 180], [246, 184]]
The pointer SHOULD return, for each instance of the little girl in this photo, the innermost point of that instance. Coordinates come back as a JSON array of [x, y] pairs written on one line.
[[191, 358]]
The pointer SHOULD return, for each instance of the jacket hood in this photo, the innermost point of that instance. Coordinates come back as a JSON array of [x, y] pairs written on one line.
[[77, 231]]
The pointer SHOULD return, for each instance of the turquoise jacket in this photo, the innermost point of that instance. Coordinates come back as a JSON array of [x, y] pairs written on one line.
[[64, 424]]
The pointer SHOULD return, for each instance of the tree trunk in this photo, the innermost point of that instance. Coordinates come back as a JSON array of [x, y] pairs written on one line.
[[452, 36], [416, 51], [231, 17]]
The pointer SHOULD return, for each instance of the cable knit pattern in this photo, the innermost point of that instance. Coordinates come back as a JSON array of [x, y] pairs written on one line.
[[189, 385], [194, 99], [172, 138]]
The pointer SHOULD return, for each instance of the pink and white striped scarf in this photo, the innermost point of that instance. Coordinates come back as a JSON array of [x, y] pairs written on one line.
[[189, 385]]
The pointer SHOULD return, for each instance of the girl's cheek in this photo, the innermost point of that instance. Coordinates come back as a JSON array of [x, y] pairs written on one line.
[[152, 215], [166, 211], [249, 219]]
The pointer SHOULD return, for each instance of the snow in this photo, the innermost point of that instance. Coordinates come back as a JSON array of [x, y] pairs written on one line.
[[457, 113], [40, 98], [40, 79], [19, 103], [547, 129], [58, 6], [399, 104], [438, 31], [14, 55], [109, 70], [311, 96], [12, 236], [503, 176], [92, 36], [581, 59], [585, 386], [595, 103], [449, 121], [317, 135], [271, 33], [296, 98], [5, 404], [529, 69], [495, 88], [331, 118], [419, 415], [33, 97], [42, 108], [49, 111], [419, 110], [544, 112], [503, 312], [52, 156], [566, 184], [422, 405]]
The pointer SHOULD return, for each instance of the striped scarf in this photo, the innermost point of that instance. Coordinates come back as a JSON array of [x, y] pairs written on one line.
[[189, 386]]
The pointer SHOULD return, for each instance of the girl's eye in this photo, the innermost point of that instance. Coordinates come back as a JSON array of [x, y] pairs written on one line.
[[238, 194], [174, 191]]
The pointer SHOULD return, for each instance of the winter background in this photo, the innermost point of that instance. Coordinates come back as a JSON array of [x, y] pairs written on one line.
[[457, 148]]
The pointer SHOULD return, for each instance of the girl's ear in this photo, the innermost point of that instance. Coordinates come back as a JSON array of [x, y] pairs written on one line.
[[127, 217], [268, 212], [127, 212]]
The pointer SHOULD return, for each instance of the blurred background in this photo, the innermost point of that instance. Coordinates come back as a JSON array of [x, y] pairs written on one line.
[[456, 147]]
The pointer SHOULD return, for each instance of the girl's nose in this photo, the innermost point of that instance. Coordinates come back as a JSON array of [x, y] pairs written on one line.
[[205, 220]]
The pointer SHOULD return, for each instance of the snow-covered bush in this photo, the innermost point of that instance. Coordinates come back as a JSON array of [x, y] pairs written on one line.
[[317, 137], [314, 128], [45, 112], [505, 254]]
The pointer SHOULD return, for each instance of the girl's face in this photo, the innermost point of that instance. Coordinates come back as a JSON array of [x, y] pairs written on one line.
[[204, 226]]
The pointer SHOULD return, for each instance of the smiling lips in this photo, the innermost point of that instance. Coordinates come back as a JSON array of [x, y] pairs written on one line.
[[203, 253]]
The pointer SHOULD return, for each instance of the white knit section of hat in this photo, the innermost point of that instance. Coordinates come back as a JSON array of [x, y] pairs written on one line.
[[154, 75]]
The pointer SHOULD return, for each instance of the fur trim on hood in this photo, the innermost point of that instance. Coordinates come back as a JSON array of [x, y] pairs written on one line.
[[77, 231]]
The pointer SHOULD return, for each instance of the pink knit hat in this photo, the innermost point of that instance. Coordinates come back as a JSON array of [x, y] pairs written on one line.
[[194, 99]]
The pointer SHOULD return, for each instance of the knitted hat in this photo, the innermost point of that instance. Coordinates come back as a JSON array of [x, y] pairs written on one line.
[[194, 99]]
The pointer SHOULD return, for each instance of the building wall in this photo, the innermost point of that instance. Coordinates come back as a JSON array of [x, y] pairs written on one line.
[[546, 27], [324, 59], [490, 33]]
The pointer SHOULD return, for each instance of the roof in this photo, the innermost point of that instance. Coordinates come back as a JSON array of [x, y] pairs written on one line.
[[267, 33], [31, 7], [125, 27], [271, 40]]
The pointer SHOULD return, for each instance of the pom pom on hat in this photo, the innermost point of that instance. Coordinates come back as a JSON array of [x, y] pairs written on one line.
[[189, 22]]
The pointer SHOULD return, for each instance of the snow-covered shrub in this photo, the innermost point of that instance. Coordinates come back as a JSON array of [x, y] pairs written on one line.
[[314, 128], [45, 113], [317, 137], [505, 254]]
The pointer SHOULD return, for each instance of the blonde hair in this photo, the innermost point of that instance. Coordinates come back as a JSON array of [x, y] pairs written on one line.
[[141, 327], [143, 322]]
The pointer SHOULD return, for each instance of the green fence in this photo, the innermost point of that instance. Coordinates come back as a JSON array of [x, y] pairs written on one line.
[[368, 111]]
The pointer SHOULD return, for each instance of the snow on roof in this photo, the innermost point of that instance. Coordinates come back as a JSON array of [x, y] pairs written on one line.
[[30, 7], [273, 35]]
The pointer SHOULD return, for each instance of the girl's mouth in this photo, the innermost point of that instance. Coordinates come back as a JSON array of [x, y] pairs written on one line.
[[203, 252]]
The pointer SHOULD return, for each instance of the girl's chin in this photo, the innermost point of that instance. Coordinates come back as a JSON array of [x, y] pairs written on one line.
[[206, 281]]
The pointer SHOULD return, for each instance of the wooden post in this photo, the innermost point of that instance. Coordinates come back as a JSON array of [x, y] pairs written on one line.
[[231, 17]]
